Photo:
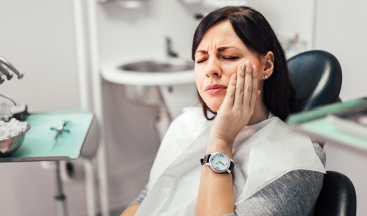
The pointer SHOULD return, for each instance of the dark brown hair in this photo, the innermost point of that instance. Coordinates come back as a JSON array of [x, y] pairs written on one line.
[[257, 34]]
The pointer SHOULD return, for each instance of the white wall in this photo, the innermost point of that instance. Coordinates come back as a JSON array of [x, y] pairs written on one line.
[[37, 37], [340, 30]]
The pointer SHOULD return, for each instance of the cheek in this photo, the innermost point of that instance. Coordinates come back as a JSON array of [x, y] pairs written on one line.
[[229, 69], [198, 80]]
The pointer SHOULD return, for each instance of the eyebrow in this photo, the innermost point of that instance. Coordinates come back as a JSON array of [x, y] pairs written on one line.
[[220, 49]]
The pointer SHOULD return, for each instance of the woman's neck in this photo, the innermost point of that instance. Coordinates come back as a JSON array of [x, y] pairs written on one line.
[[261, 112]]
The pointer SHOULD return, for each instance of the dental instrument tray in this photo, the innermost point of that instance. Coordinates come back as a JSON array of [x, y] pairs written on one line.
[[342, 123], [53, 136]]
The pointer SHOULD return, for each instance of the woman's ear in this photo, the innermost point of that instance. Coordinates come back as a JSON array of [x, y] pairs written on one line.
[[268, 64]]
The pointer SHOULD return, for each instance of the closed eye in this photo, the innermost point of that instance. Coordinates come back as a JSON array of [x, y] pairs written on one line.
[[230, 57], [201, 60]]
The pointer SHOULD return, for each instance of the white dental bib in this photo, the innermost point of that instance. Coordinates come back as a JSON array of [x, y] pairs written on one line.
[[262, 153]]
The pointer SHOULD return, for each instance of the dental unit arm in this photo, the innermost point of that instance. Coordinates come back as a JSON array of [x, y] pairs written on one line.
[[8, 111], [5, 68]]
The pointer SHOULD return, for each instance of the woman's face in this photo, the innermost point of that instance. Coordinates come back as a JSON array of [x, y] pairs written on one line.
[[217, 57]]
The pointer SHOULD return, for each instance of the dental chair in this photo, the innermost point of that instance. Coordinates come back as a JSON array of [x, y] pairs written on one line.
[[317, 78]]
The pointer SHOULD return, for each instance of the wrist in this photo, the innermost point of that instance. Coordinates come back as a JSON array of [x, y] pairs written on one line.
[[216, 145]]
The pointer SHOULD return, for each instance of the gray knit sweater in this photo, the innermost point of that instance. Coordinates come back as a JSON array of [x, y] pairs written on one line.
[[295, 193]]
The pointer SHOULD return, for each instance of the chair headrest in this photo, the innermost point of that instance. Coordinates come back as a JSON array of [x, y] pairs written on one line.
[[317, 78]]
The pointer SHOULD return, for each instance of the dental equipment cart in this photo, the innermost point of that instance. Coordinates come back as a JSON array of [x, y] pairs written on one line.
[[54, 136]]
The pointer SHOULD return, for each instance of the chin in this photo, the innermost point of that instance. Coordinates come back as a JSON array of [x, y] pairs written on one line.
[[213, 102], [213, 106]]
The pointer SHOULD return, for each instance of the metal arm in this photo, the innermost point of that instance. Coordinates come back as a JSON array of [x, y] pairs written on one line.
[[5, 72], [5, 66]]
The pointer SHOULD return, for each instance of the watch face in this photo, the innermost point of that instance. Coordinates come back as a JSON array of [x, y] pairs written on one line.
[[219, 162]]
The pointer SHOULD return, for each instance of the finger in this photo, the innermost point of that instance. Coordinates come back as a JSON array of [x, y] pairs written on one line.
[[238, 100], [254, 86], [230, 94], [248, 88]]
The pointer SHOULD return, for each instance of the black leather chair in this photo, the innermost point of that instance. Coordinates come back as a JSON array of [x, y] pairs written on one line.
[[317, 78], [337, 196]]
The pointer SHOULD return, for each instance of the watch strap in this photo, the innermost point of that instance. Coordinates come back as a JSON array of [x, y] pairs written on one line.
[[205, 159], [231, 166]]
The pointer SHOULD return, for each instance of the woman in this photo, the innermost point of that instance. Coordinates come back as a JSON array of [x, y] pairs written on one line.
[[252, 164]]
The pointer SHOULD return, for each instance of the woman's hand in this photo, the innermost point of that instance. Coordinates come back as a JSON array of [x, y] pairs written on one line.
[[238, 105], [130, 210]]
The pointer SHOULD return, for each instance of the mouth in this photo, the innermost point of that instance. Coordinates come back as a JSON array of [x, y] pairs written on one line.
[[215, 89]]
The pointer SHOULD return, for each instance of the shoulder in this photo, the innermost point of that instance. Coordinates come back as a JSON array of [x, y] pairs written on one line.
[[295, 193]]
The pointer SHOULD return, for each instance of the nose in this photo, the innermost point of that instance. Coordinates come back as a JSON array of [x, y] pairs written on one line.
[[213, 68]]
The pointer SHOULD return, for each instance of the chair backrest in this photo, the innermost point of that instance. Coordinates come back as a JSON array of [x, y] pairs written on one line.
[[317, 78], [337, 196]]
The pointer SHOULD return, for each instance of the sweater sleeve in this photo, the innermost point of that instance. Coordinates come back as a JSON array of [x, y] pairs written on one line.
[[139, 199], [295, 193]]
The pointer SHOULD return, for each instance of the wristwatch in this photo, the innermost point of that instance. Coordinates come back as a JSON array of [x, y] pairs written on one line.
[[219, 162]]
